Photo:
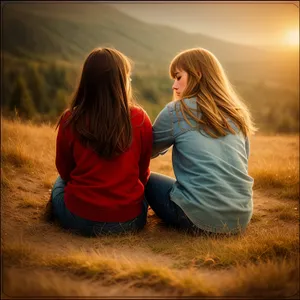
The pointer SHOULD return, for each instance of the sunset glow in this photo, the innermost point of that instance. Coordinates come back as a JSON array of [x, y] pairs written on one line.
[[292, 37]]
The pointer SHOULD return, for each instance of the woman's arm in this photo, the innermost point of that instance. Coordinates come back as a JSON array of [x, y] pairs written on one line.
[[163, 137], [247, 146], [64, 153], [146, 149]]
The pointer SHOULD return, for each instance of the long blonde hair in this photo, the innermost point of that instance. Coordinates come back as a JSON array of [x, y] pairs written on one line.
[[215, 96]]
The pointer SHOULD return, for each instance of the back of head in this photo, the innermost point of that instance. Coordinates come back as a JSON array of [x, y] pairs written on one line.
[[103, 96], [216, 98]]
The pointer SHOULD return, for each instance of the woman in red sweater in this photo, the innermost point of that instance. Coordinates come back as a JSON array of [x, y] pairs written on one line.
[[103, 151]]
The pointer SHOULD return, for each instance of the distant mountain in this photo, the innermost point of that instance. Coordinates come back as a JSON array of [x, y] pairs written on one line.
[[69, 31]]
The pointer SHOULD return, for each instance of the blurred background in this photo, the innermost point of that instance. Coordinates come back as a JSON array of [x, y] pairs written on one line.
[[45, 44]]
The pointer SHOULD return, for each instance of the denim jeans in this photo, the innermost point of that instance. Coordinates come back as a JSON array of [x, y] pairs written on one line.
[[157, 193], [87, 227]]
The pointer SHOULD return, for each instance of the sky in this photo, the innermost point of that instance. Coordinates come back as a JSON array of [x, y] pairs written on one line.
[[246, 22]]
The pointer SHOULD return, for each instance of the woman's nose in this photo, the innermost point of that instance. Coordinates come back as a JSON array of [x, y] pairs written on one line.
[[174, 86]]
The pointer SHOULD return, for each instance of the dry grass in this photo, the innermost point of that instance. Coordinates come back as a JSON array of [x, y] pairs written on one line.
[[277, 279], [29, 147], [256, 245], [256, 218], [42, 283], [285, 212], [287, 215], [30, 203], [96, 267], [5, 182], [268, 249], [274, 163], [268, 280]]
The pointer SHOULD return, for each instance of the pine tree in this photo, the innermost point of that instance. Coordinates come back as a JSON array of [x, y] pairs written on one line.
[[21, 100], [56, 79], [37, 88]]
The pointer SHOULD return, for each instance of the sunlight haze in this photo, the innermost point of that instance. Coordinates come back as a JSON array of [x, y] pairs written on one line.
[[259, 24]]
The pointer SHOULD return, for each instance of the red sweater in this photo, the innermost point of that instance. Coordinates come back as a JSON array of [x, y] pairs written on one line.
[[102, 190]]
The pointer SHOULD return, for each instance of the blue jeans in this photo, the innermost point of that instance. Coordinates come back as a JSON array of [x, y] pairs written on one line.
[[87, 227], [157, 193]]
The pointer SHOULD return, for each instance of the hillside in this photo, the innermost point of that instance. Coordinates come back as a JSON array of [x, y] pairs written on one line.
[[44, 46], [68, 31], [40, 259]]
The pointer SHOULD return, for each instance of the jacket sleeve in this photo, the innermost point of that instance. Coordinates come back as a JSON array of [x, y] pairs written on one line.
[[146, 149], [247, 146], [64, 151], [163, 137]]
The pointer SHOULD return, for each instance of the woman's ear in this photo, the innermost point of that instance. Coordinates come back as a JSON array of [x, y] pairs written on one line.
[[199, 74]]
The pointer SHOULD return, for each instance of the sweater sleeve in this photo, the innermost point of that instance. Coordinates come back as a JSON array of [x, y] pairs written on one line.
[[146, 149], [64, 153]]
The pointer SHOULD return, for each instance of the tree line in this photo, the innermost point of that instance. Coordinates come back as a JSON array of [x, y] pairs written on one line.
[[33, 91], [40, 92]]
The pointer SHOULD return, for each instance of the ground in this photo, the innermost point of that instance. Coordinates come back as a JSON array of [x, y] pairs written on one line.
[[41, 259]]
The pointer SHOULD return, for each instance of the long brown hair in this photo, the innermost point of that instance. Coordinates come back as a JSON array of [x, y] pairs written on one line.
[[215, 96], [100, 108]]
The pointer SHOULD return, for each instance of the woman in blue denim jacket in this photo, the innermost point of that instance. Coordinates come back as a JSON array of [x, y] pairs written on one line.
[[209, 128]]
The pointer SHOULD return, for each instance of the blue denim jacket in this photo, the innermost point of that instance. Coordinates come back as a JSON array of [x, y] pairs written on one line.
[[212, 185]]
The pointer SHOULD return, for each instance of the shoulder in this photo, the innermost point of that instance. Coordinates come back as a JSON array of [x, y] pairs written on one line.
[[67, 113], [190, 102], [137, 110], [64, 128], [166, 112], [64, 116], [176, 105], [171, 106], [139, 116], [168, 109], [164, 118], [173, 109]]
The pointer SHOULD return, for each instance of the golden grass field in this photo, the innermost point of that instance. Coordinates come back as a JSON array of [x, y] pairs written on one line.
[[40, 259]]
